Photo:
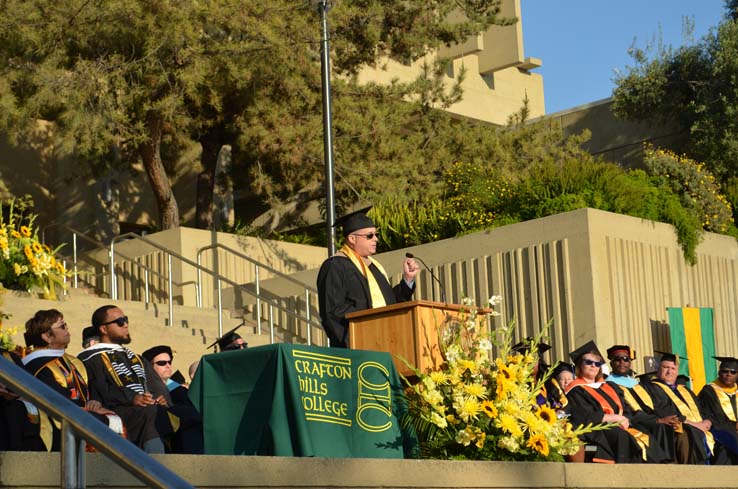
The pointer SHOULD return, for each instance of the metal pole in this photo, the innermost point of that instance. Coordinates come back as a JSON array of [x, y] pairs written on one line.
[[169, 278], [307, 315], [258, 299], [325, 72], [72, 468], [74, 255], [113, 285], [199, 280], [220, 310]]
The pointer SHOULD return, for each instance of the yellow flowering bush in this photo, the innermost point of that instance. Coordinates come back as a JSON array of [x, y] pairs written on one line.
[[476, 407], [25, 263]]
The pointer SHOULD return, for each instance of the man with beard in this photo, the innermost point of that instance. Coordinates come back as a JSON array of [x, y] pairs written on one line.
[[692, 437], [48, 334], [718, 403], [124, 382]]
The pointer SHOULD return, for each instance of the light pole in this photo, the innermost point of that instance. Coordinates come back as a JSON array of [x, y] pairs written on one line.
[[325, 74]]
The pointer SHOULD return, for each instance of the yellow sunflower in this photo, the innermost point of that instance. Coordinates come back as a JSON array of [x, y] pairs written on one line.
[[25, 231], [547, 414], [489, 409], [37, 248], [15, 234], [539, 444]]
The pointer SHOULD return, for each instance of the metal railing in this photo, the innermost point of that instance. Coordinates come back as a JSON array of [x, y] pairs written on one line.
[[272, 305], [79, 427], [307, 290]]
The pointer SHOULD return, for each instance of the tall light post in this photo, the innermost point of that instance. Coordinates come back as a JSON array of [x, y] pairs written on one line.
[[325, 74]]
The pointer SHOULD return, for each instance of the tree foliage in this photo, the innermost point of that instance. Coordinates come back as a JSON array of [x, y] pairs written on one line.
[[133, 79], [694, 87]]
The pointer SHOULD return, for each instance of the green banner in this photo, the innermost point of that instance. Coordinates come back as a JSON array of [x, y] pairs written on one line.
[[304, 401]]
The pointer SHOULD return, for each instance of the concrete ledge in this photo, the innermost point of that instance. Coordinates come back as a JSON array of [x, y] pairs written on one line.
[[41, 470]]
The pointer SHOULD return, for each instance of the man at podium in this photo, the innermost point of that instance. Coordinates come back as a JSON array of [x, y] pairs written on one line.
[[352, 281]]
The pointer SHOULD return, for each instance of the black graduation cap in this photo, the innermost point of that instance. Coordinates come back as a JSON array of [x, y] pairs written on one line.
[[562, 367], [669, 357], [589, 346], [151, 353], [624, 348], [227, 338], [354, 221], [178, 377], [727, 362], [523, 347], [90, 332]]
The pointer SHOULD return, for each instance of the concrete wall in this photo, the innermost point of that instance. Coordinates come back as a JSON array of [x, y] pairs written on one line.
[[41, 470]]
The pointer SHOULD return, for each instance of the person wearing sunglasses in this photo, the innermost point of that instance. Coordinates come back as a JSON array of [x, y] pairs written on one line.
[[47, 337], [718, 404], [621, 361], [353, 281], [693, 441], [592, 400], [188, 437], [126, 383]]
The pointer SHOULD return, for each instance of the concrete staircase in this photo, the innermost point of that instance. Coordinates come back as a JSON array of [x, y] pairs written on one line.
[[193, 330]]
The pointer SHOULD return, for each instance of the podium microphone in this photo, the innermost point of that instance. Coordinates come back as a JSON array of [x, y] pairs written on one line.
[[433, 292]]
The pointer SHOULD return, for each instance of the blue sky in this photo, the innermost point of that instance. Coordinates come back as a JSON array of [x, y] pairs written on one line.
[[583, 42]]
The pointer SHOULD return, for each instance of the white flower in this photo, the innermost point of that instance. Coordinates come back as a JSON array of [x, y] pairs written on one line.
[[438, 420], [494, 313], [467, 301], [485, 345], [453, 353], [495, 300], [464, 437], [508, 443]]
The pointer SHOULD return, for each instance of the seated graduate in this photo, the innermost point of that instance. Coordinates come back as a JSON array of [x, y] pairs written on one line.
[[621, 360], [591, 400], [352, 281], [48, 334], [188, 435], [718, 404], [19, 427], [561, 377], [692, 438]]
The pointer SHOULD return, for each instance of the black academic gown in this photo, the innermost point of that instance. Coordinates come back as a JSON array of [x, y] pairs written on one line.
[[661, 436], [16, 430], [723, 418], [73, 387], [142, 423], [614, 445], [663, 407], [343, 289]]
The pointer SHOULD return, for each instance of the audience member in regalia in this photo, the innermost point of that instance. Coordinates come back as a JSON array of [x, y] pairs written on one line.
[[19, 427], [591, 400], [188, 435], [48, 335], [718, 404], [693, 441], [621, 360], [561, 377]]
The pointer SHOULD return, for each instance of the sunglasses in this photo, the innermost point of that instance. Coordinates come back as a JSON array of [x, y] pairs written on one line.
[[119, 321], [62, 326], [163, 363], [731, 371], [621, 359], [368, 235], [594, 363]]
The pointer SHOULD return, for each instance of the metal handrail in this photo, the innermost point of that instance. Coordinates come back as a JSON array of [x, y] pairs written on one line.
[[76, 423], [219, 278], [257, 282], [100, 244]]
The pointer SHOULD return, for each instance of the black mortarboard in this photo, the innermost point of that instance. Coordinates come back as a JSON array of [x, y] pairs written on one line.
[[589, 346], [624, 348], [227, 338], [354, 221], [562, 367], [727, 362], [151, 353], [178, 377], [523, 347], [669, 357], [90, 332]]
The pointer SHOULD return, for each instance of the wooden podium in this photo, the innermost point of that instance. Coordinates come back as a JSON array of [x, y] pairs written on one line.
[[408, 330]]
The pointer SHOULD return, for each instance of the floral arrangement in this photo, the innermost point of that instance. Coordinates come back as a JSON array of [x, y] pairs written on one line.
[[26, 263], [473, 407], [6, 334]]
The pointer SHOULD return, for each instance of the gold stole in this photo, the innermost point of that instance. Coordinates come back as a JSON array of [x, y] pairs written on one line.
[[724, 399], [687, 408], [374, 290]]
